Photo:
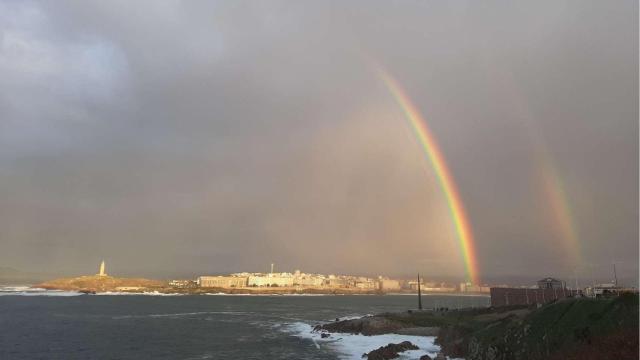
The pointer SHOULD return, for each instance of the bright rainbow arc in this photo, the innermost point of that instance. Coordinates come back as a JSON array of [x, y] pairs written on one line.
[[430, 147]]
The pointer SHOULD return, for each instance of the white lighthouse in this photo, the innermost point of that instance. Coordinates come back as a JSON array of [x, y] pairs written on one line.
[[102, 269]]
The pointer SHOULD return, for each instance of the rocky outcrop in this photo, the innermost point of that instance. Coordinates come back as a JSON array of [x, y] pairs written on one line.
[[93, 284], [368, 325], [390, 351], [606, 327], [419, 331]]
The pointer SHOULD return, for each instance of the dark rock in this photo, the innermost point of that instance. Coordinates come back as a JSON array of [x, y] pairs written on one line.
[[368, 325], [390, 351], [325, 335], [425, 357]]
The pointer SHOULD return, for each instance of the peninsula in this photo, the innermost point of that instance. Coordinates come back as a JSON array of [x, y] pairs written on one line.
[[296, 282]]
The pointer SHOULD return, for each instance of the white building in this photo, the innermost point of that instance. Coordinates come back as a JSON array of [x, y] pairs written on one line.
[[308, 280], [389, 284], [276, 279], [222, 281]]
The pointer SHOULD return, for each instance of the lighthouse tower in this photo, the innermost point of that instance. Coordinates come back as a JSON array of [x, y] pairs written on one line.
[[102, 269]]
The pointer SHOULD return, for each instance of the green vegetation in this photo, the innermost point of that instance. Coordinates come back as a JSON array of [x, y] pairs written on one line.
[[577, 328], [568, 326], [473, 319], [567, 329]]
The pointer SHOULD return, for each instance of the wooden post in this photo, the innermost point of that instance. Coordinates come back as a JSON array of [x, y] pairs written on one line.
[[419, 294]]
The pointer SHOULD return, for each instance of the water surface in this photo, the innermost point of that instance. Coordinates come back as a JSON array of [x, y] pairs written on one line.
[[190, 327]]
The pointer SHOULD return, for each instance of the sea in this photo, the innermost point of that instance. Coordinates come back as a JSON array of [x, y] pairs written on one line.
[[43, 324]]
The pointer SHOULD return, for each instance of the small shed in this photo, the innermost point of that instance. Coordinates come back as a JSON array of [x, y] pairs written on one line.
[[550, 283]]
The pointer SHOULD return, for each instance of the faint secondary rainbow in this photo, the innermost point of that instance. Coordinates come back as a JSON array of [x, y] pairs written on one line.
[[558, 206], [432, 150], [554, 190]]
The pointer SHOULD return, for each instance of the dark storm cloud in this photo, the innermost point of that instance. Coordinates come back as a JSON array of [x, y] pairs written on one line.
[[180, 137]]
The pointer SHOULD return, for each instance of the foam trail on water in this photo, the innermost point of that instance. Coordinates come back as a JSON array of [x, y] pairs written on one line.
[[150, 293], [29, 291], [351, 347]]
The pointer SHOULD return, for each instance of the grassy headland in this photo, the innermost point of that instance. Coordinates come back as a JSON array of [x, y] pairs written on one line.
[[567, 329]]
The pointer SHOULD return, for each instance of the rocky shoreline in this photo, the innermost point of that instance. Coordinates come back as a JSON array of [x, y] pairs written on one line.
[[593, 328], [386, 323], [381, 324]]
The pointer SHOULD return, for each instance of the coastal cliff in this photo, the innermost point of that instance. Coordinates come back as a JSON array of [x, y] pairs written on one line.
[[567, 329]]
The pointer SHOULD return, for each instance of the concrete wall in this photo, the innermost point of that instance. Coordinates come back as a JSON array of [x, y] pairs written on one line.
[[518, 296]]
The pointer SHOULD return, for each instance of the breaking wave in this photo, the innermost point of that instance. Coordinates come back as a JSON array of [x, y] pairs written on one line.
[[29, 291], [351, 347]]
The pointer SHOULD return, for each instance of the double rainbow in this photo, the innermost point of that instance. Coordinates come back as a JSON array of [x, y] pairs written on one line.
[[432, 150]]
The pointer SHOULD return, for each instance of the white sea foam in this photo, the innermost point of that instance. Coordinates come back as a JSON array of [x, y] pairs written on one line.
[[353, 317], [351, 347], [29, 291], [235, 313], [268, 295], [16, 288], [149, 293], [187, 314]]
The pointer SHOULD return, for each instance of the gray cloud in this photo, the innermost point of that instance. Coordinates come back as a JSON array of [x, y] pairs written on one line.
[[172, 138]]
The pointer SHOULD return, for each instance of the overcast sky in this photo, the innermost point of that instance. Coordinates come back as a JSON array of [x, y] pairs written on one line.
[[194, 137]]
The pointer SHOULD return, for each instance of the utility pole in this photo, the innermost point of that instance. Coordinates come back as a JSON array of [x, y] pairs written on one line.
[[615, 278], [419, 294], [593, 281]]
